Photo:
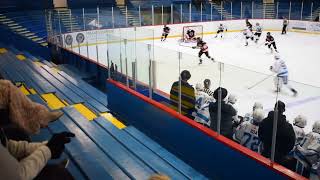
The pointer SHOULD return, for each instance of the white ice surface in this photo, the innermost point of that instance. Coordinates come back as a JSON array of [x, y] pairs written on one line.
[[243, 67]]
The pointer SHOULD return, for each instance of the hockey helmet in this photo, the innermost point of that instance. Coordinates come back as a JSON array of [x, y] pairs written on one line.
[[268, 34], [185, 75], [257, 115], [316, 127], [232, 99], [277, 56], [257, 105], [207, 83], [199, 87], [257, 24], [300, 121]]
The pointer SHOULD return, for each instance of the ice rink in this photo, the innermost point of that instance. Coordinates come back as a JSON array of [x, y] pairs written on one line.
[[242, 67]]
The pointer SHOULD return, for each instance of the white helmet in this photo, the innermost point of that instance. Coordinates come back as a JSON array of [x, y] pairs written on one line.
[[316, 127], [199, 87], [257, 105], [258, 115], [232, 99], [300, 121], [276, 56]]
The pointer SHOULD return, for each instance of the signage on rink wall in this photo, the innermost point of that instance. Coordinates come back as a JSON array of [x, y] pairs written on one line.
[[298, 25], [314, 26]]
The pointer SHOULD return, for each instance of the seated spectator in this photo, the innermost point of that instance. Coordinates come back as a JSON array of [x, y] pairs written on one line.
[[227, 113], [298, 124], [187, 95], [21, 159], [201, 114], [285, 137], [247, 132], [248, 116], [308, 152], [207, 87]]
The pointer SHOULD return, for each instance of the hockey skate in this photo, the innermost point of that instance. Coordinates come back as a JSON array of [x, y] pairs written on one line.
[[200, 61], [212, 59], [246, 44]]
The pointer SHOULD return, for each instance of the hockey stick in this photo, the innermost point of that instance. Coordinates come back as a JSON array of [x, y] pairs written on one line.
[[254, 85]]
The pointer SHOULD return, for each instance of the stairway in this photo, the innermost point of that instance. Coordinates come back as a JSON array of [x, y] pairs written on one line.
[[21, 30], [67, 20], [315, 14], [225, 14], [133, 17], [269, 11]]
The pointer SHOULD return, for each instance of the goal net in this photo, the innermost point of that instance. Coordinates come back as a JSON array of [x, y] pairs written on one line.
[[198, 32]]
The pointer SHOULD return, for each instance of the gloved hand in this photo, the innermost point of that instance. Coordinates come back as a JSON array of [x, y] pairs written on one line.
[[57, 142]]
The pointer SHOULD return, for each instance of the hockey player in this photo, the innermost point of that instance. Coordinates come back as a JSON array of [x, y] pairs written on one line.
[[221, 28], [248, 35], [248, 25], [298, 124], [248, 116], [247, 132], [284, 27], [207, 85], [280, 68], [190, 35], [165, 33], [232, 99], [203, 50], [309, 152], [258, 32], [202, 114], [270, 41]]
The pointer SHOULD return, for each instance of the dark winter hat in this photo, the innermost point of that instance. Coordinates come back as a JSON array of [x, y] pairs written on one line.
[[281, 106], [185, 75], [224, 93]]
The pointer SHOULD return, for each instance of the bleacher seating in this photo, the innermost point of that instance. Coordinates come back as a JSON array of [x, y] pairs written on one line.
[[104, 147]]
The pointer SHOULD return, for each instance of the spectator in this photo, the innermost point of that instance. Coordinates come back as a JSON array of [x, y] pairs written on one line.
[[159, 177], [248, 116], [247, 132], [298, 124], [21, 111], [285, 137], [227, 113], [207, 87], [187, 95], [232, 99]]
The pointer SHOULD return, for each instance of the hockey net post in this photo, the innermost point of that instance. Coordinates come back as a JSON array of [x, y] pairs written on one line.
[[198, 29]]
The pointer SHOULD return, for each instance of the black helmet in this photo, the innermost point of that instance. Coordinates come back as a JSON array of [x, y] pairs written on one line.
[[185, 75], [268, 33], [207, 83]]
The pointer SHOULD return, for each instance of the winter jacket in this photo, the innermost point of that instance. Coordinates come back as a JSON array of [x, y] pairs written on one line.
[[188, 99], [227, 113], [22, 160], [285, 138]]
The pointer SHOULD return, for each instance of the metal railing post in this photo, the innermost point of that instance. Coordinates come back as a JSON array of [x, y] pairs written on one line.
[[231, 10], [211, 15], [70, 19], [84, 20], [290, 10], [98, 18], [190, 12], [140, 20], [301, 10], [274, 132], [126, 16], [219, 111], [152, 15], [201, 12], [252, 10], [162, 14], [112, 17], [150, 73], [172, 14], [179, 105], [311, 15], [241, 10], [277, 15], [126, 61], [59, 22], [221, 7], [181, 13]]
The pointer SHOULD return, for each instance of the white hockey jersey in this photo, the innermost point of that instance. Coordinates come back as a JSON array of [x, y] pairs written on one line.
[[310, 150], [258, 29], [247, 33], [202, 114], [247, 135], [221, 28], [280, 68], [299, 132]]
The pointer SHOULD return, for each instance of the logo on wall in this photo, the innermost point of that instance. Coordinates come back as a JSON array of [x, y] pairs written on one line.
[[68, 39], [80, 38]]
